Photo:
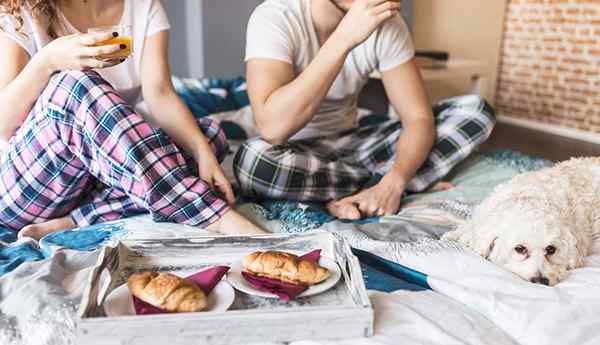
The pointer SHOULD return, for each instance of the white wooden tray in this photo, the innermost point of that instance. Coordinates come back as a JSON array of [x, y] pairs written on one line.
[[341, 312]]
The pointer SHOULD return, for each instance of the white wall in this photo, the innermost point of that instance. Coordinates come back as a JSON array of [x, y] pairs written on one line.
[[224, 25], [208, 37]]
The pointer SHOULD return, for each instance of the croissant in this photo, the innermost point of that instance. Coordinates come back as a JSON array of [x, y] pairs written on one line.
[[167, 291], [285, 267]]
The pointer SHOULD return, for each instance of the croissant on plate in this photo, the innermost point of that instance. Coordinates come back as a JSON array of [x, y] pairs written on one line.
[[167, 291], [285, 267]]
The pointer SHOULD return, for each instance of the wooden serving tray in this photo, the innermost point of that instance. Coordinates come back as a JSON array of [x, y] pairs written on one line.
[[344, 311]]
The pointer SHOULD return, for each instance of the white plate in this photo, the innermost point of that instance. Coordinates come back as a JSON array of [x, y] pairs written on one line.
[[120, 303], [234, 276]]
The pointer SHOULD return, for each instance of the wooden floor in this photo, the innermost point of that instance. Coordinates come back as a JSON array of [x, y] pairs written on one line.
[[549, 146], [505, 136]]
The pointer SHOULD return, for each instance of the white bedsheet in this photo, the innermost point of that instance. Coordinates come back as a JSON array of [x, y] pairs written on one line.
[[474, 302], [531, 314], [39, 301]]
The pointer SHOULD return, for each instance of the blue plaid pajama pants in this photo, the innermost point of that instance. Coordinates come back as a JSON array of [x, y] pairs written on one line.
[[328, 168]]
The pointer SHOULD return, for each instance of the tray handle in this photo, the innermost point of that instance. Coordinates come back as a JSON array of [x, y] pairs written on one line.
[[352, 272], [92, 297]]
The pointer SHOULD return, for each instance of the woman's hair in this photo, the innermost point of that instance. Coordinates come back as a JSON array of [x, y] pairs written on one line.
[[41, 9]]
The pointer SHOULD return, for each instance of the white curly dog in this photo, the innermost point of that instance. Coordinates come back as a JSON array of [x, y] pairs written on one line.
[[539, 225]]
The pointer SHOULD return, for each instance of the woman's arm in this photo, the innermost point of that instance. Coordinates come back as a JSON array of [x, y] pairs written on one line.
[[22, 79], [168, 112], [21, 83]]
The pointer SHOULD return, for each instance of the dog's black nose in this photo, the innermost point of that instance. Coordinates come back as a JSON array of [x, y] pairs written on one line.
[[540, 280]]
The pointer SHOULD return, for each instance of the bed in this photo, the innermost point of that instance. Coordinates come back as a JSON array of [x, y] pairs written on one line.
[[424, 291]]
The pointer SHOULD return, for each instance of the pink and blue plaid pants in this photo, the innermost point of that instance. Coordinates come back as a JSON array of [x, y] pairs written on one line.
[[84, 152]]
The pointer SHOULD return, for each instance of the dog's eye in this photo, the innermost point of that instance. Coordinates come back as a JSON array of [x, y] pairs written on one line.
[[521, 249], [550, 250]]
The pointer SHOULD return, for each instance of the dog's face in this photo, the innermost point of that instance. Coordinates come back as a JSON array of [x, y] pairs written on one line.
[[538, 248], [533, 250]]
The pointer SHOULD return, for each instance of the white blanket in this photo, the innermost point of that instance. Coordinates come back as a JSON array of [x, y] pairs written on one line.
[[474, 302], [39, 301]]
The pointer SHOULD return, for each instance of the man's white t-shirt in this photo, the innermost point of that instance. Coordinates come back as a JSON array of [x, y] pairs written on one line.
[[146, 18], [283, 30]]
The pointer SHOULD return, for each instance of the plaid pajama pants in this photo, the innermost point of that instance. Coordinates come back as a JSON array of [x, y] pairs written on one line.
[[327, 168], [84, 152]]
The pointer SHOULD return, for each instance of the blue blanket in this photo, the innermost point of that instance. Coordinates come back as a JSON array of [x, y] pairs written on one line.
[[380, 274], [209, 96]]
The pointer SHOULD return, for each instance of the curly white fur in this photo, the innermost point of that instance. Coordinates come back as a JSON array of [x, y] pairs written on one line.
[[555, 208]]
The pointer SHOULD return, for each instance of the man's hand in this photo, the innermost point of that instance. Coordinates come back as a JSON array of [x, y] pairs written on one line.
[[383, 199], [363, 18]]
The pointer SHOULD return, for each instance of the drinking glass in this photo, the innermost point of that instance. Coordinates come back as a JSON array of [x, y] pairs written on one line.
[[124, 37]]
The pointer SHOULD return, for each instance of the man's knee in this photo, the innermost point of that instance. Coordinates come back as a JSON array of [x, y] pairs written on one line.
[[477, 107], [256, 161], [473, 115]]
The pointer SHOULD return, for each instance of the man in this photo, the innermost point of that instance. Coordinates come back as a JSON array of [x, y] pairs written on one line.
[[307, 61]]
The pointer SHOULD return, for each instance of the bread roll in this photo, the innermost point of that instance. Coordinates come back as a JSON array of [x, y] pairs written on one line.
[[285, 267], [167, 291]]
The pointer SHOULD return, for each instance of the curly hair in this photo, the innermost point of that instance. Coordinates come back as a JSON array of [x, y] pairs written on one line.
[[41, 9]]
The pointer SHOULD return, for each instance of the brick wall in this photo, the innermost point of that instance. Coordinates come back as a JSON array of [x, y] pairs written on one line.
[[550, 63]]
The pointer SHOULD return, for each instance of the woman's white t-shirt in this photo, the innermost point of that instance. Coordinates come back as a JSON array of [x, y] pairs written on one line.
[[146, 18]]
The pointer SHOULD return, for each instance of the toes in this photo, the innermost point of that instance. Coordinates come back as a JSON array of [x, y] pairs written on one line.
[[28, 231], [442, 186], [350, 212]]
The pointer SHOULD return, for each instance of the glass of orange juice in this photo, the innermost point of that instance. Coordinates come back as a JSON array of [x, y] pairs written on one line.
[[124, 38]]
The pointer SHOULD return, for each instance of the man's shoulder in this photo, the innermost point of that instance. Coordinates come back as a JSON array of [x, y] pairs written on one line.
[[279, 8], [393, 29]]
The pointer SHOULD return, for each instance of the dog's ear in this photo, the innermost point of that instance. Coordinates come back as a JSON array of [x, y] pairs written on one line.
[[474, 237], [484, 244]]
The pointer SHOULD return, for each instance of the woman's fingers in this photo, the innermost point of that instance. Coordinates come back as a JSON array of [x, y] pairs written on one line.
[[387, 6], [95, 38], [374, 3], [225, 188], [100, 50], [92, 63]]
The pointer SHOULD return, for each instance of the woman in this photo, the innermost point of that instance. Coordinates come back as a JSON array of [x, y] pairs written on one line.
[[77, 153]]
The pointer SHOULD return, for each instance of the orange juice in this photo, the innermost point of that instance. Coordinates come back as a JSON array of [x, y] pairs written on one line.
[[123, 53]]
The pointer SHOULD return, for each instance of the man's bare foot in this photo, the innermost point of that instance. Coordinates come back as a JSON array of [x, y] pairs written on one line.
[[442, 186], [233, 223], [37, 231], [343, 210]]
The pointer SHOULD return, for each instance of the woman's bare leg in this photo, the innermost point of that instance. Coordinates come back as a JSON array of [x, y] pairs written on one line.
[[233, 223], [37, 231]]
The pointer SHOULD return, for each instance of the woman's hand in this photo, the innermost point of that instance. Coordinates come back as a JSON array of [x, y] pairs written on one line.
[[77, 52], [210, 171], [363, 18]]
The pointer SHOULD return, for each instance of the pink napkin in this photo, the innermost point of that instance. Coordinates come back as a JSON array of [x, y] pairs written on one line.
[[284, 291], [206, 280]]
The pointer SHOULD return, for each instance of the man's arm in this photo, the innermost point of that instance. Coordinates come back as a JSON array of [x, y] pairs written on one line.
[[405, 89], [282, 104]]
